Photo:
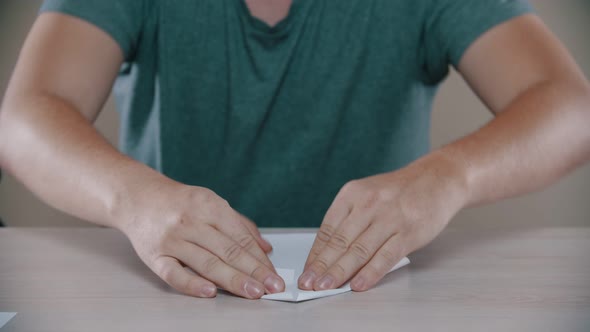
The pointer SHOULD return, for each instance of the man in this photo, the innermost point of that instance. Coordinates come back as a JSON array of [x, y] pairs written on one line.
[[270, 109]]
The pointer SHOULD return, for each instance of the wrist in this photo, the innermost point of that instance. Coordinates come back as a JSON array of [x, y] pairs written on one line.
[[133, 194], [450, 174]]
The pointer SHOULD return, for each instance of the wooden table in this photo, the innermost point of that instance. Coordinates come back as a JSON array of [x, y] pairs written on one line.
[[79, 279]]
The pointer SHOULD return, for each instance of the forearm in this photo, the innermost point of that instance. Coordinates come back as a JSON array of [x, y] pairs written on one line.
[[49, 146], [541, 136]]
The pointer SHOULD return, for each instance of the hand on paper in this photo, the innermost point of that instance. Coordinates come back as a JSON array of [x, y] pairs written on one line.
[[191, 226], [376, 221]]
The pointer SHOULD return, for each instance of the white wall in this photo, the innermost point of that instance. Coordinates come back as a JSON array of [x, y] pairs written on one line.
[[457, 112]]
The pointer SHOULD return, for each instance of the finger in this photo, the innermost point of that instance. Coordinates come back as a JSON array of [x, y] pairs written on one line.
[[214, 269], [343, 237], [251, 226], [238, 232], [384, 260], [358, 255], [170, 270], [337, 212], [237, 257]]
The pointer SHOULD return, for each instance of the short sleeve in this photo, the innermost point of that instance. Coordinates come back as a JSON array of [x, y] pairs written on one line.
[[451, 26], [121, 19]]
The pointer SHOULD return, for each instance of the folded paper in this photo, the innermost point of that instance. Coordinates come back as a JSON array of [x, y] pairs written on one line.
[[5, 317], [288, 256]]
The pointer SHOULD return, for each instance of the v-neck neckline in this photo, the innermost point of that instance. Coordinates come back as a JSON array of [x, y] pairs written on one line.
[[264, 27]]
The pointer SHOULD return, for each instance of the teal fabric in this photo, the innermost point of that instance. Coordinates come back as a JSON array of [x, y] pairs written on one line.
[[277, 119]]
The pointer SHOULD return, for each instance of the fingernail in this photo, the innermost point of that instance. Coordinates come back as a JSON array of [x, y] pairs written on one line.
[[266, 241], [268, 245], [273, 284], [253, 290], [209, 290], [306, 280], [358, 283], [326, 282]]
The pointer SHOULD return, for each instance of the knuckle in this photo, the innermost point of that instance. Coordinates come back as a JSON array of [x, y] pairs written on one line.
[[338, 270], [200, 228], [405, 227], [339, 242], [325, 233], [315, 252], [203, 195], [378, 197], [410, 210], [371, 200], [350, 187], [210, 265], [257, 271], [163, 244], [236, 282], [320, 264], [232, 253], [371, 274], [181, 221], [223, 203], [389, 256], [360, 251], [246, 242], [219, 205], [176, 225], [384, 195]]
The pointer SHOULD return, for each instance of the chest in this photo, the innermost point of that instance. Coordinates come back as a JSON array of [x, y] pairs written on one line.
[[230, 83], [302, 39]]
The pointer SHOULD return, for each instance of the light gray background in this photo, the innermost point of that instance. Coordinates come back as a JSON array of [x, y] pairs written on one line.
[[457, 112]]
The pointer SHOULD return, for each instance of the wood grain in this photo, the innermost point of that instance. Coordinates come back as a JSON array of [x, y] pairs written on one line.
[[525, 279]]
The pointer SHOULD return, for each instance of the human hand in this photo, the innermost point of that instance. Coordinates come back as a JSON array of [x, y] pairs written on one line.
[[176, 225], [374, 222]]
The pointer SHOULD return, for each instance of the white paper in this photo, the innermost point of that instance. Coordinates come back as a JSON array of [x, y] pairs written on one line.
[[288, 256], [5, 317]]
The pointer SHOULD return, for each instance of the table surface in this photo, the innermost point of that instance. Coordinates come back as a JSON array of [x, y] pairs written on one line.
[[89, 279]]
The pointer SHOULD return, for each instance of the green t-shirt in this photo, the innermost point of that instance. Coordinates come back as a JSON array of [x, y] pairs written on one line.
[[277, 119]]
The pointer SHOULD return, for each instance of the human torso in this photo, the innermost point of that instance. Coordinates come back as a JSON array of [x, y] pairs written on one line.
[[277, 119]]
